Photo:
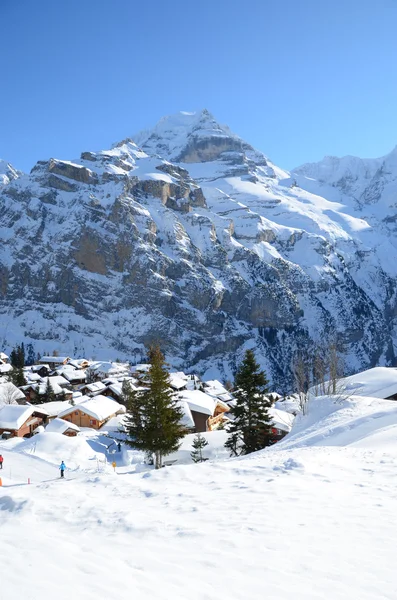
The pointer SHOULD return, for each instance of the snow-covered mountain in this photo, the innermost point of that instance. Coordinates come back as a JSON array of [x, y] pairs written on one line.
[[7, 173], [187, 235]]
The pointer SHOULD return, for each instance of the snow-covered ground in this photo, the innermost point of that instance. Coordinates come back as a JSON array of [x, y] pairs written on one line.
[[311, 518]]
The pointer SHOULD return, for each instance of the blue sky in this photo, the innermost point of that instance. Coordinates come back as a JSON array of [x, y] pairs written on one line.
[[297, 79]]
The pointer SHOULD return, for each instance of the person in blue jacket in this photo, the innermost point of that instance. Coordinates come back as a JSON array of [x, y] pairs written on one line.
[[62, 468]]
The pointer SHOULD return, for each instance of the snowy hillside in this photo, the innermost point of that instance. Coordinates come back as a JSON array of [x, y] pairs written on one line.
[[190, 236], [298, 520]]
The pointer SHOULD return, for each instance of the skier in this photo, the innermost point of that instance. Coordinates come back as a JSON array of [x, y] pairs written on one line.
[[62, 469], [1, 461], [119, 447]]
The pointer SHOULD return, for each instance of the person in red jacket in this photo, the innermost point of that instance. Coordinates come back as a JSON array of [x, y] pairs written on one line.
[[1, 461]]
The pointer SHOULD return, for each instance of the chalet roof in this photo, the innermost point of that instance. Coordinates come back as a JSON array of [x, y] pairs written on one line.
[[5, 367], [3, 356], [99, 407], [142, 368], [13, 416], [177, 382], [42, 385], [199, 401], [114, 424], [53, 359], [96, 387], [187, 419], [60, 426], [32, 376], [54, 408], [281, 419], [74, 375]]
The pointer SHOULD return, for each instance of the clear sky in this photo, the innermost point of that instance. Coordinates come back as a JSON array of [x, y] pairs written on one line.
[[298, 79]]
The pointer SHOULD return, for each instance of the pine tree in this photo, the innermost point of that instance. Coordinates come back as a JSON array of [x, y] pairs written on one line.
[[251, 428], [153, 418], [17, 356], [49, 394], [199, 443], [16, 377]]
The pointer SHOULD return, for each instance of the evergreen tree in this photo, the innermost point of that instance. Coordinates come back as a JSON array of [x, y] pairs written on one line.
[[153, 418], [17, 356], [199, 443], [49, 394], [251, 428], [16, 377]]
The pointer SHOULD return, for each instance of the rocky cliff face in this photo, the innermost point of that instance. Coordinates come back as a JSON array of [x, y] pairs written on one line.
[[193, 238]]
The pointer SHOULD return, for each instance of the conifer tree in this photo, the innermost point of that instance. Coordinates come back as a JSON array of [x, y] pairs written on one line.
[[49, 394], [251, 428], [16, 377], [153, 418], [199, 443], [17, 356]]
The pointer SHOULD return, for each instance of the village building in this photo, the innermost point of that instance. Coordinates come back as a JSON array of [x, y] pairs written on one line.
[[5, 367], [34, 391], [42, 370], [92, 412], [20, 421], [208, 413], [63, 427], [4, 358], [54, 361], [94, 389], [75, 377], [282, 422], [53, 409]]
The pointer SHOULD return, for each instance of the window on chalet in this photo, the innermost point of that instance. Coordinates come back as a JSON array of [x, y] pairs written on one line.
[[92, 421]]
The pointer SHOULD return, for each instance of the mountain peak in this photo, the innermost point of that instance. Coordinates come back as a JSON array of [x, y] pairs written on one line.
[[7, 172], [190, 137]]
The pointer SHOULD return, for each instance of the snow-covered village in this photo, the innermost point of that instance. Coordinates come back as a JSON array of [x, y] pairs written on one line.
[[198, 300]]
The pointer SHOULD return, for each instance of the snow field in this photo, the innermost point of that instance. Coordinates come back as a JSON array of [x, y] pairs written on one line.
[[306, 519]]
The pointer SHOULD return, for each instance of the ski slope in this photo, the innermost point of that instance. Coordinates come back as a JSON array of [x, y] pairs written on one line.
[[311, 518]]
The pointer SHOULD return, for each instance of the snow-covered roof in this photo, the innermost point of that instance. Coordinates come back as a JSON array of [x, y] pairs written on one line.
[[32, 376], [143, 368], [74, 375], [187, 419], [5, 367], [176, 381], [54, 359], [282, 419], [109, 368], [60, 426], [99, 407], [42, 386], [95, 388], [198, 401], [10, 394], [114, 424], [3, 356], [54, 408], [13, 416]]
